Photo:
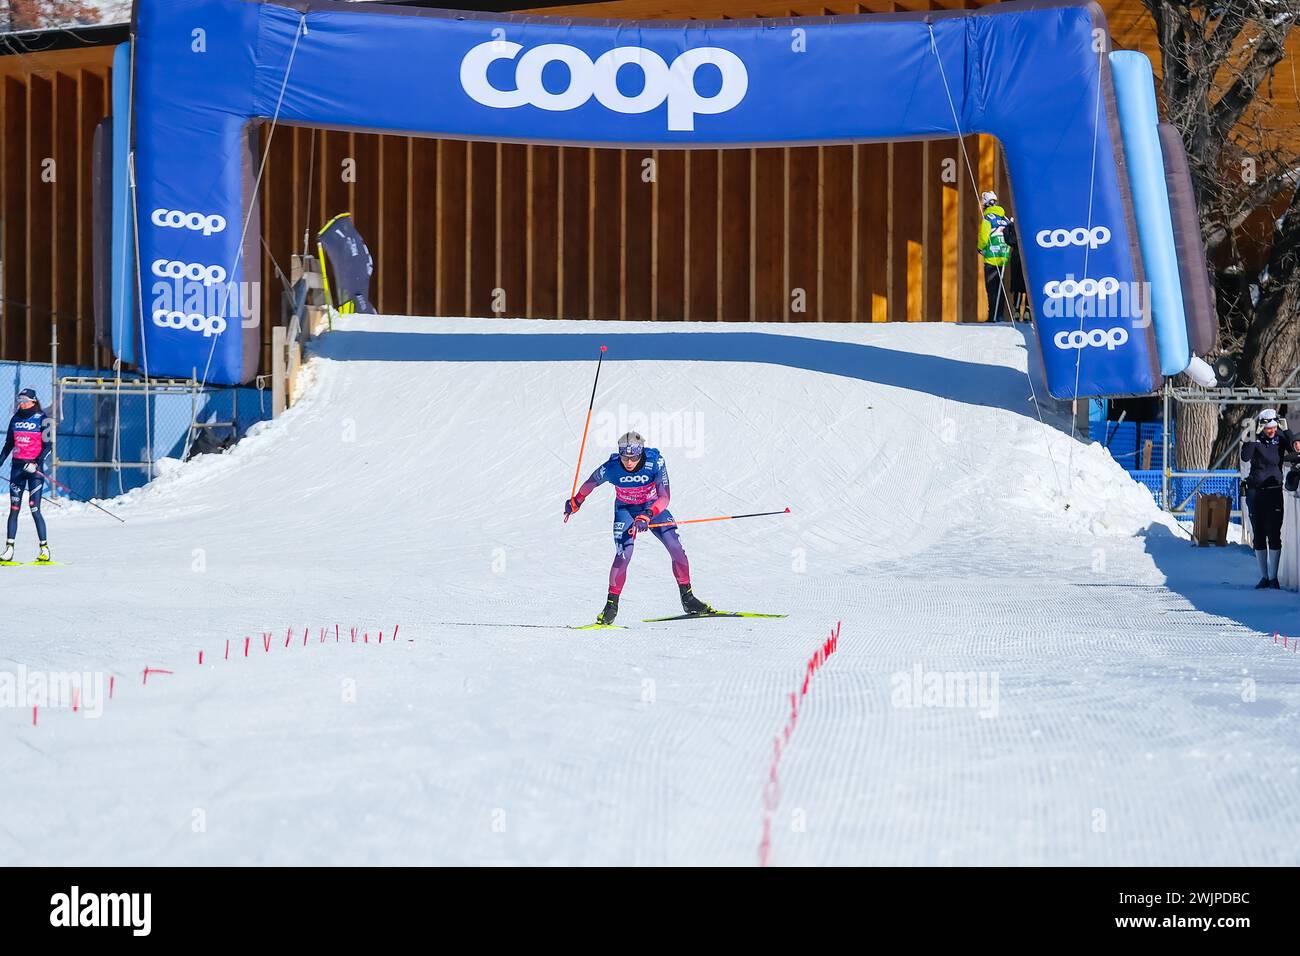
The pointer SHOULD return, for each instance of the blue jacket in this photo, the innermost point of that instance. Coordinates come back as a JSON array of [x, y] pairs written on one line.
[[647, 485]]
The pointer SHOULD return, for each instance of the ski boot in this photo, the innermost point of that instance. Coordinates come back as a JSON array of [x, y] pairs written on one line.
[[1263, 585], [44, 556], [610, 612], [1275, 584], [8, 554], [690, 603]]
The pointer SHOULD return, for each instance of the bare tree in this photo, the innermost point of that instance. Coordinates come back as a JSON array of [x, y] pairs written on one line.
[[1217, 56], [42, 14]]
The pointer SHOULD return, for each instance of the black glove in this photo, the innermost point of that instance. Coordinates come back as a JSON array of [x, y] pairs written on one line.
[[571, 506], [640, 523], [30, 468]]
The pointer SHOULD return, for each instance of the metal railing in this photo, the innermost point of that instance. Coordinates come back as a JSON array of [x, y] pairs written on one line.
[[1262, 397]]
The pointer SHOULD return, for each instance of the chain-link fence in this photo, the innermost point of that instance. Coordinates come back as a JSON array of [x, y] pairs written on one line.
[[110, 434]]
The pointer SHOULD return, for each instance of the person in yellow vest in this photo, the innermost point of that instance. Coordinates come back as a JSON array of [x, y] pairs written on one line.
[[996, 250]]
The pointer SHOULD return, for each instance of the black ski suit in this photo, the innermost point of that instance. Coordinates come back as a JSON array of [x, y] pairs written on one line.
[[1264, 485]]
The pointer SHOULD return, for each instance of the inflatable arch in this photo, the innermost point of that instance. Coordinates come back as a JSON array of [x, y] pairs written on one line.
[[1077, 123]]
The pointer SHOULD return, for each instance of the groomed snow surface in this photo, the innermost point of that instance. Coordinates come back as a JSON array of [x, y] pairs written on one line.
[[1016, 681]]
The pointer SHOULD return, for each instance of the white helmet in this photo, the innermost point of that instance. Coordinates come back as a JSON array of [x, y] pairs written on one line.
[[631, 444], [988, 198], [1267, 417]]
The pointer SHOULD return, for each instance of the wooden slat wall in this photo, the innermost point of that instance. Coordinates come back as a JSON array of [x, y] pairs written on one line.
[[49, 106]]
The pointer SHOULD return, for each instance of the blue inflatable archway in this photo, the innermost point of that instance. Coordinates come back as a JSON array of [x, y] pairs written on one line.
[[1035, 75]]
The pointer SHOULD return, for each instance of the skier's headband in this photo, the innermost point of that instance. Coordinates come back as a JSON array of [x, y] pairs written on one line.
[[26, 400], [631, 450], [1268, 423]]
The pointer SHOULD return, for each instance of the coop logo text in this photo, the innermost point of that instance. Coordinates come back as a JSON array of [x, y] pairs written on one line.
[[194, 221], [209, 325], [1092, 237], [674, 84], [194, 271], [1109, 339]]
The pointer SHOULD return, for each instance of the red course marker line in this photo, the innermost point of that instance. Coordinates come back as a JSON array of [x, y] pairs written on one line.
[[772, 788]]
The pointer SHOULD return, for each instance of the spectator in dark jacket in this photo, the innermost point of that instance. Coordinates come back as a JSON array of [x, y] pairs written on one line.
[[1262, 454]]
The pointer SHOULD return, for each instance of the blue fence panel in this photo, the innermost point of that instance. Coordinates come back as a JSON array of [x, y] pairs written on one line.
[[1220, 483], [1126, 440], [87, 425]]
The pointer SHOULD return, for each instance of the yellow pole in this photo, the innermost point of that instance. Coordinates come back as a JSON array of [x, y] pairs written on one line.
[[325, 280]]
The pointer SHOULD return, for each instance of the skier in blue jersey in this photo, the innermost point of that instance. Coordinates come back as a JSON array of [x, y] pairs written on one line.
[[28, 439], [640, 479]]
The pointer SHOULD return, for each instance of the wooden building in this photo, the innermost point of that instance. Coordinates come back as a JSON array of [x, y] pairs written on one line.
[[866, 233]]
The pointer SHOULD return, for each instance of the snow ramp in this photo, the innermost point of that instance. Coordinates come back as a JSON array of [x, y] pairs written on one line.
[[1013, 682]]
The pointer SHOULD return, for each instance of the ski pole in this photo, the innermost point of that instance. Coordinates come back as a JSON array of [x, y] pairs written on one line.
[[71, 495], [756, 514], [581, 448]]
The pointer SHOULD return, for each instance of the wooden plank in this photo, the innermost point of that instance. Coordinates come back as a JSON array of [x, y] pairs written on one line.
[[453, 228], [425, 257], [512, 234], [703, 166], [366, 208], [336, 194], [803, 215], [671, 236], [836, 238], [13, 215], [40, 221], [544, 232], [574, 301], [63, 245], [90, 110], [932, 233], [390, 284], [771, 293], [948, 157], [481, 203], [905, 205], [971, 304], [604, 222], [277, 220], [735, 266], [638, 255], [873, 235]]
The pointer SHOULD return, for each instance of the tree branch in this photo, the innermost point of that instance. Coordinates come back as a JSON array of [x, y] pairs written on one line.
[[1234, 103]]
